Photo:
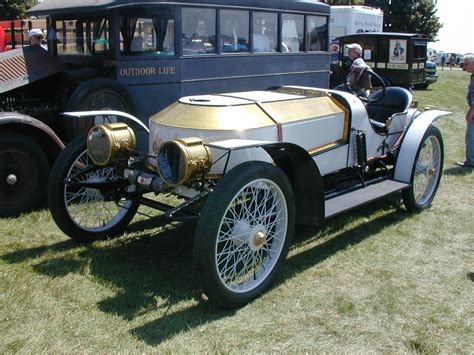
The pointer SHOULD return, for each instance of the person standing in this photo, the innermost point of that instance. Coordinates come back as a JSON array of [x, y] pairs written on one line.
[[469, 67], [452, 61], [443, 61]]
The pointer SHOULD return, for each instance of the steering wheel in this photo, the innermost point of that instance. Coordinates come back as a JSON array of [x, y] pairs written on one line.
[[373, 97]]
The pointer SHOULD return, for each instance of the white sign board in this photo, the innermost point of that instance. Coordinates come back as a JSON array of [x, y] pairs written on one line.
[[398, 51]]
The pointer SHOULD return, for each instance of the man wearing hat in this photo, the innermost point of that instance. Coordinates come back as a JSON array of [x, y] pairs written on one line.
[[36, 37], [358, 78]]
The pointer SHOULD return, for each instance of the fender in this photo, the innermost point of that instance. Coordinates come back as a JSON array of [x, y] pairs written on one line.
[[119, 114], [305, 177], [18, 120], [299, 167], [142, 133], [412, 140]]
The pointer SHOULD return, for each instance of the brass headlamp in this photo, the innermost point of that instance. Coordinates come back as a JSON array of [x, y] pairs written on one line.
[[110, 142], [181, 160]]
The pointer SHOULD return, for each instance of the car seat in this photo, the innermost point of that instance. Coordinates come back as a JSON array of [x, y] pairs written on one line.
[[396, 100]]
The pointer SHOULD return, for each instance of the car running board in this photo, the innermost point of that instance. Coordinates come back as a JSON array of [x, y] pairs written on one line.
[[350, 200]]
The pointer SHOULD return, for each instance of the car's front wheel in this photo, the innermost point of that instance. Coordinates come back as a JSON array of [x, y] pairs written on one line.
[[426, 172], [244, 233], [81, 211]]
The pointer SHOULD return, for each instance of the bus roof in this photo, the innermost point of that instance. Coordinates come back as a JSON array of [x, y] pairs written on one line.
[[52, 7]]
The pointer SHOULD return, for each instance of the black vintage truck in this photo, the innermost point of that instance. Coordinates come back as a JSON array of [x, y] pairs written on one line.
[[399, 58]]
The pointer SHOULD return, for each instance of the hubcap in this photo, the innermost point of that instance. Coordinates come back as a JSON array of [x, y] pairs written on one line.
[[12, 179], [259, 237]]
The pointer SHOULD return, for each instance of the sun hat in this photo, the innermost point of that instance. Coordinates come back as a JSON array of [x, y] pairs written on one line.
[[356, 47], [35, 32]]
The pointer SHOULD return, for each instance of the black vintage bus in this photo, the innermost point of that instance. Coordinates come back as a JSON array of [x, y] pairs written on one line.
[[139, 57], [161, 50]]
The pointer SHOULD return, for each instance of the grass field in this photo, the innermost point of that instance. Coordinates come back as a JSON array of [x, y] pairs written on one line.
[[375, 280]]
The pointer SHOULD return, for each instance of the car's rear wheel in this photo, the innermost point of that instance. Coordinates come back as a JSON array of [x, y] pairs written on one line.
[[426, 172], [86, 213], [244, 233]]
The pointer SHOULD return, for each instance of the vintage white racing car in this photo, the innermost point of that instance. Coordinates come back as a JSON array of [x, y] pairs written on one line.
[[247, 167]]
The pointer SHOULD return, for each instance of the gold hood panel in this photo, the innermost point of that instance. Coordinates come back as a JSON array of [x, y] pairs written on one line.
[[246, 110], [239, 117]]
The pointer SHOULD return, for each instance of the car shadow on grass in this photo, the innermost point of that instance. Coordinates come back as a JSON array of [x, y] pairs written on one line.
[[337, 238], [457, 171], [158, 330], [150, 269]]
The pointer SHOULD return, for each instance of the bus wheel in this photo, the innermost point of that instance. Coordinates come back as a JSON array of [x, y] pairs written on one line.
[[97, 94], [244, 232], [24, 170]]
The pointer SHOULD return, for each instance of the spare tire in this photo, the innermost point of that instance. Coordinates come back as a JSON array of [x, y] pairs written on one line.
[[96, 94]]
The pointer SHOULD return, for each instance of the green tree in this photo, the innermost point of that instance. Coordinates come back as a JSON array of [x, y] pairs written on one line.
[[14, 9], [409, 16]]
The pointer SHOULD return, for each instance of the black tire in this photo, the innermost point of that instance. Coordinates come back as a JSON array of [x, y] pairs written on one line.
[[421, 86], [97, 94], [71, 206], [251, 235], [426, 172], [24, 171]]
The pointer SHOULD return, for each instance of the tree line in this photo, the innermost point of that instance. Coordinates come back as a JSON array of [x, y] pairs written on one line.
[[408, 16]]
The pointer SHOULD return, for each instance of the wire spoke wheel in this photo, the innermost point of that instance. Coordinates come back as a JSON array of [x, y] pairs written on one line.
[[82, 212], [426, 173], [244, 233], [251, 235], [90, 208], [427, 170]]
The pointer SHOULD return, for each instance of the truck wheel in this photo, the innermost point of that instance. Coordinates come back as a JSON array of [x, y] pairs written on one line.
[[24, 170], [244, 232], [97, 94], [422, 86], [426, 172], [85, 213]]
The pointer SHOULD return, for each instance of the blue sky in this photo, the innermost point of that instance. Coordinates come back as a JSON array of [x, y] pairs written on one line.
[[457, 34]]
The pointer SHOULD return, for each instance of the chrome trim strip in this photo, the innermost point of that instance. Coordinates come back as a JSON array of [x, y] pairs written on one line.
[[253, 76]]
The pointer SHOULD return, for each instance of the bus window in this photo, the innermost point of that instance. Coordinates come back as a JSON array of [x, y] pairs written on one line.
[[152, 34], [89, 36], [316, 33], [265, 32], [292, 33], [234, 31], [199, 31]]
